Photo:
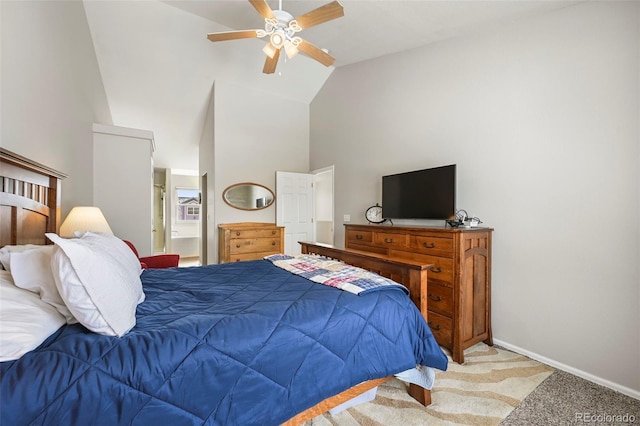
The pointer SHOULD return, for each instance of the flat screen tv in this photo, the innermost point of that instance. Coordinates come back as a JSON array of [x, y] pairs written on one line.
[[421, 194]]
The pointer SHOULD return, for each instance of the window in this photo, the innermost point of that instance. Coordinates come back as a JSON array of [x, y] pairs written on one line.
[[188, 204]]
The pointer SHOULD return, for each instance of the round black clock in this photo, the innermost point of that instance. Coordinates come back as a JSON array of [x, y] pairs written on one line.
[[374, 214]]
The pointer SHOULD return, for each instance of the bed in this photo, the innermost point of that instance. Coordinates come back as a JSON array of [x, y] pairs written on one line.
[[240, 343]]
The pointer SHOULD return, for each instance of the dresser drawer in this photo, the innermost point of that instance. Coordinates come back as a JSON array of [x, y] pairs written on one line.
[[391, 240], [250, 245], [440, 271], [442, 329], [241, 257], [440, 299], [359, 237], [254, 233], [433, 245]]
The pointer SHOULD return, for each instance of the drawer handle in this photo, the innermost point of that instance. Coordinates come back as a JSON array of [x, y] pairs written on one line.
[[388, 240], [436, 328], [273, 243], [429, 245], [238, 233], [358, 237], [435, 269], [273, 232], [435, 298], [237, 245]]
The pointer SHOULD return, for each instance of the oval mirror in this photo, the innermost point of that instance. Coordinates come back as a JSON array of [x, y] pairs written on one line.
[[248, 196]]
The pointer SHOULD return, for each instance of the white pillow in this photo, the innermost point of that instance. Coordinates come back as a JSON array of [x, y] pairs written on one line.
[[5, 253], [25, 320], [31, 270], [98, 277]]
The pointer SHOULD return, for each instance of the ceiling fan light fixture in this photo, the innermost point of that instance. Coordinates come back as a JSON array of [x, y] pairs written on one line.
[[269, 50], [290, 49], [277, 39], [282, 27]]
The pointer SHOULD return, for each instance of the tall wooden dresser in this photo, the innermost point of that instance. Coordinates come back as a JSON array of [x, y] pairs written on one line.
[[248, 241], [459, 278]]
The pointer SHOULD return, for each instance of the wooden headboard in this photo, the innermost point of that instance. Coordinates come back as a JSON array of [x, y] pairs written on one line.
[[29, 200]]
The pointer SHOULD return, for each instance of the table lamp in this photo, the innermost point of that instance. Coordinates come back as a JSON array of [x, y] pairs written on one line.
[[84, 219]]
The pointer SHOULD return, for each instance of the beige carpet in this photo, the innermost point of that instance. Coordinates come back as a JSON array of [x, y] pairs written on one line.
[[483, 391]]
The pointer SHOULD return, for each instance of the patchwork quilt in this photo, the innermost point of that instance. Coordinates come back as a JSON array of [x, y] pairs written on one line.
[[334, 273], [243, 343]]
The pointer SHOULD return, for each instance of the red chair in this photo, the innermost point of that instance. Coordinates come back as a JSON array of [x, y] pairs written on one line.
[[157, 261]]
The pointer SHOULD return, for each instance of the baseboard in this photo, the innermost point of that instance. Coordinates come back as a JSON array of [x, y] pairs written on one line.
[[560, 366]]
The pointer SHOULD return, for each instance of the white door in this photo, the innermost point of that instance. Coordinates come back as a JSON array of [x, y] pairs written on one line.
[[294, 209]]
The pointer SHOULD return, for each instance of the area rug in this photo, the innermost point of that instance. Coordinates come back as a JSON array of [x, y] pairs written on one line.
[[483, 391]]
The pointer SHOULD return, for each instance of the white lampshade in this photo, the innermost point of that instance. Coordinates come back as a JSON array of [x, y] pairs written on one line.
[[84, 219], [269, 50], [290, 49]]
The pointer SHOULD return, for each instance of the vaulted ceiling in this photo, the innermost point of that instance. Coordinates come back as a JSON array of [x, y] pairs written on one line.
[[374, 28], [158, 67]]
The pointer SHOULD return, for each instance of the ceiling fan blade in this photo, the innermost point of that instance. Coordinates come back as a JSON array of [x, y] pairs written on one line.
[[232, 35], [263, 8], [316, 53], [270, 63], [322, 14]]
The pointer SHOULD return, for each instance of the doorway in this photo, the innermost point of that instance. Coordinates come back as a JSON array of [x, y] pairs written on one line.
[[204, 220], [158, 219], [304, 206], [323, 200]]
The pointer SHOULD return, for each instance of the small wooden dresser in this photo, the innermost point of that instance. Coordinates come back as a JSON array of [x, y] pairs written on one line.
[[458, 281], [248, 241]]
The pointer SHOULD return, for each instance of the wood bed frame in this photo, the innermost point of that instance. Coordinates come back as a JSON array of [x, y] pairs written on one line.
[[30, 207], [411, 274], [29, 200]]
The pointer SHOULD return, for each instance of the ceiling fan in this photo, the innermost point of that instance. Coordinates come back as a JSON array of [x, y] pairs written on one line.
[[281, 27]]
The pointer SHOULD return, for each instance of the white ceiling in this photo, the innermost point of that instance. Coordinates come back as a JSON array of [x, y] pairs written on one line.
[[373, 28], [158, 67]]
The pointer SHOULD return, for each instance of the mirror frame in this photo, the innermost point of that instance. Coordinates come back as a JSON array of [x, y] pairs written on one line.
[[230, 187]]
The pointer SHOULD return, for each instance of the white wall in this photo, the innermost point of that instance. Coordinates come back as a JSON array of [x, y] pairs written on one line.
[[123, 182], [52, 91], [256, 134], [207, 168], [158, 67], [542, 119]]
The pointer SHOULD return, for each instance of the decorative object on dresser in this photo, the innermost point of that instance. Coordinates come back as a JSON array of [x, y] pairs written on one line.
[[459, 280], [248, 241], [374, 214]]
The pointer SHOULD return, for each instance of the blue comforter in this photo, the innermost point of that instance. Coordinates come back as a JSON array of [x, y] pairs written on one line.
[[234, 344]]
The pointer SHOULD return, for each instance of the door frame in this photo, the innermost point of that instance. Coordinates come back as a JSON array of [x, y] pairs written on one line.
[[318, 201], [315, 199]]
